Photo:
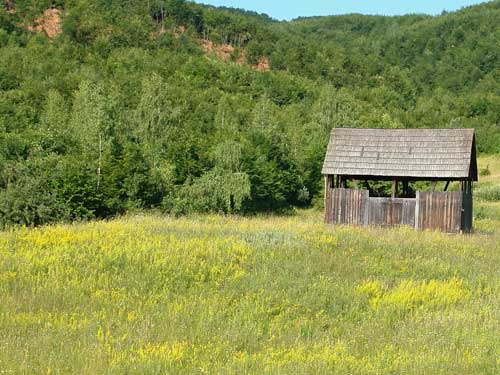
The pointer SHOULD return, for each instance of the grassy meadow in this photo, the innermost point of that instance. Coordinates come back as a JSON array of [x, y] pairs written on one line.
[[266, 295]]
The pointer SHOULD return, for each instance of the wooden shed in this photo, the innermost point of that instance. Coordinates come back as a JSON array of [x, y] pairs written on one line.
[[358, 157]]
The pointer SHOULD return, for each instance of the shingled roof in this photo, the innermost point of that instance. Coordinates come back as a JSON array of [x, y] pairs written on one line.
[[408, 153]]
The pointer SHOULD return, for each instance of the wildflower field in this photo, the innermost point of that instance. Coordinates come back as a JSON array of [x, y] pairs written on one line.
[[265, 295]]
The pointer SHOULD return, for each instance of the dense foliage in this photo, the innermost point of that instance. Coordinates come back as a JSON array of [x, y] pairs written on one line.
[[123, 109]]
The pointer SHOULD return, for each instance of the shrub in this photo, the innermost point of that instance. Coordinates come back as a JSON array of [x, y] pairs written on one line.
[[485, 171]]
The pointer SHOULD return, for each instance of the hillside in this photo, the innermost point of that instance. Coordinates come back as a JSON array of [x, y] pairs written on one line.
[[115, 106], [229, 295]]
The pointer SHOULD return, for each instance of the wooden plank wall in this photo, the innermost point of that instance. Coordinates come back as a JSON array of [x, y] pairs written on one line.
[[440, 210], [430, 210], [346, 206], [355, 207], [392, 211], [328, 201]]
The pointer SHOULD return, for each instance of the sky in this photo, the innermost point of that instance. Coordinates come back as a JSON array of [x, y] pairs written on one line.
[[286, 10]]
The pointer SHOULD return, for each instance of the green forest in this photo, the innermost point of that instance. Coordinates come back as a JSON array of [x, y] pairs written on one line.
[[111, 106]]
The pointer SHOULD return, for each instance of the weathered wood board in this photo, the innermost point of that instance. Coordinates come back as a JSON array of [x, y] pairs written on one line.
[[391, 211], [346, 206], [440, 210], [444, 211]]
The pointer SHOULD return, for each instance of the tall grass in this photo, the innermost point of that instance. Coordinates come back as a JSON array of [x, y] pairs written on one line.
[[223, 295], [490, 193]]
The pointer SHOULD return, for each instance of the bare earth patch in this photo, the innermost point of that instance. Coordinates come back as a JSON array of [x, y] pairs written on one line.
[[10, 7], [262, 65], [225, 51], [49, 23]]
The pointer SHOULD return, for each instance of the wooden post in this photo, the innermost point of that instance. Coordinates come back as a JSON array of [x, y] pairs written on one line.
[[417, 210], [325, 200], [471, 207], [406, 190], [394, 188], [340, 181]]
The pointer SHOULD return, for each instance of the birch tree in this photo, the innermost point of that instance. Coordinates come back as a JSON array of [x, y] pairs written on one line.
[[89, 124]]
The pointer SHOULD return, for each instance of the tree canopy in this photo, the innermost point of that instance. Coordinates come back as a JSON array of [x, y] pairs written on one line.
[[109, 106]]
